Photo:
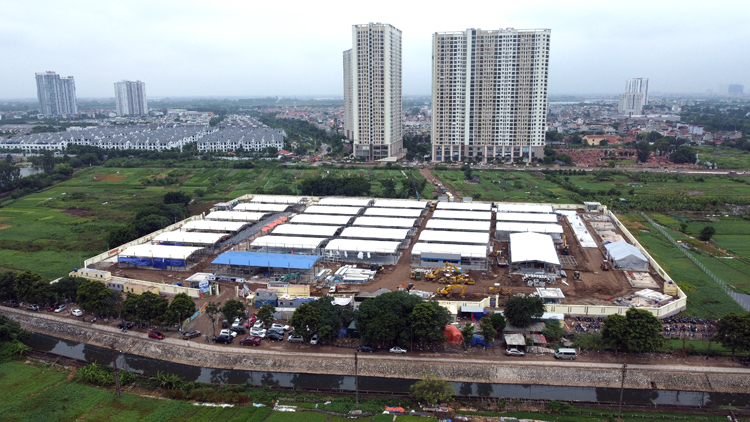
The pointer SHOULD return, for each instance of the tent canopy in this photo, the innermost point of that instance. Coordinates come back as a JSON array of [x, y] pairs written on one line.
[[626, 256], [537, 247], [273, 260]]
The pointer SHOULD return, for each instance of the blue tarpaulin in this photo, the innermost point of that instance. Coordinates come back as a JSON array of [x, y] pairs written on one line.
[[153, 262], [273, 260]]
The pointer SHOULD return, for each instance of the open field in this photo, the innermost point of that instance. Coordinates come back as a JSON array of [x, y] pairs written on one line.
[[725, 158], [511, 186]]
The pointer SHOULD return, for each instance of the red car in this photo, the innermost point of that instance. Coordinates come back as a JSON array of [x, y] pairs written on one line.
[[249, 323], [250, 341], [155, 334]]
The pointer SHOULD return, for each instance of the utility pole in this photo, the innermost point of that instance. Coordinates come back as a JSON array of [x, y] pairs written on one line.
[[356, 379], [114, 364], [622, 388]]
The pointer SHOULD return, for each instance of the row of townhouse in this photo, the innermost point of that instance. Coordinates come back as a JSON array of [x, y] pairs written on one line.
[[248, 138]]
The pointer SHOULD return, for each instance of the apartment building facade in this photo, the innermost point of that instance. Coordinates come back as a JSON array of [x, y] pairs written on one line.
[[372, 91], [638, 86], [489, 94], [130, 98], [57, 96]]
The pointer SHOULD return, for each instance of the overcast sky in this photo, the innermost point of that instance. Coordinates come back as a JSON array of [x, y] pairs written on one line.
[[255, 47]]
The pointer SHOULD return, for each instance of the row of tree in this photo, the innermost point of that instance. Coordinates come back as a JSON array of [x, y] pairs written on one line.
[[149, 219], [33, 288], [336, 186]]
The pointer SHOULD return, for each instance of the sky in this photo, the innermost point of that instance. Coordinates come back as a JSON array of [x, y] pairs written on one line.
[[251, 48]]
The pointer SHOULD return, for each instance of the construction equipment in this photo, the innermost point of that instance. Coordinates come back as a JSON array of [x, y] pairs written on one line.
[[406, 287], [377, 268], [577, 275], [342, 288], [605, 265], [565, 250], [496, 289], [416, 275], [290, 278], [447, 290]]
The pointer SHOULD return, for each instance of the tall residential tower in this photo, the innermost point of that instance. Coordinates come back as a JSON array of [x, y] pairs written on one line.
[[57, 96], [489, 94], [130, 98], [638, 86], [372, 91]]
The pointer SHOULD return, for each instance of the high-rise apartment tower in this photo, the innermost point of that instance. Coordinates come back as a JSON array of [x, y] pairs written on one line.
[[57, 96], [638, 86], [130, 98], [372, 91], [489, 94]]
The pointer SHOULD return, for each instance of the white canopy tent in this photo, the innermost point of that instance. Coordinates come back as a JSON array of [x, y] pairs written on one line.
[[463, 206], [147, 250], [375, 233], [390, 203], [385, 222], [529, 227], [305, 230], [235, 216], [626, 256], [261, 207], [330, 210], [356, 245], [345, 202], [393, 212], [533, 247], [291, 200], [462, 215], [192, 238], [524, 208], [213, 226], [321, 219], [287, 243], [443, 236], [458, 225], [526, 218]]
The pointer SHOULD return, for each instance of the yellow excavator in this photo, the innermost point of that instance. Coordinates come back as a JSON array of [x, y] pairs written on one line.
[[501, 290], [565, 250], [447, 290]]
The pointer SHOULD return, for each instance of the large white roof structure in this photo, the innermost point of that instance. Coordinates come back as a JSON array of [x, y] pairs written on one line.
[[502, 226], [305, 230], [288, 242], [235, 216], [389, 203], [385, 222], [471, 251], [322, 209], [321, 219], [526, 218], [375, 233], [346, 202], [458, 225], [393, 212], [261, 207], [356, 245], [291, 200], [444, 236], [578, 226], [462, 215], [216, 226], [528, 208], [194, 238], [526, 247], [148, 250], [463, 206], [626, 256]]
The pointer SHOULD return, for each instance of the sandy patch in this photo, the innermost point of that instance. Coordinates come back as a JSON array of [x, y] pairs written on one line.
[[114, 177]]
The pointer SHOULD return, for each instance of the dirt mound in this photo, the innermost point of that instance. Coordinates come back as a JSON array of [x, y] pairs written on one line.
[[108, 178]]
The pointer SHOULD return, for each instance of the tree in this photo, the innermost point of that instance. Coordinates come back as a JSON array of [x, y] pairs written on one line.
[[121, 235], [431, 390], [553, 330], [733, 332], [468, 334], [305, 320], [212, 310], [384, 321], [498, 322], [94, 297], [487, 329], [8, 285], [31, 287], [234, 308], [152, 308], [643, 151], [428, 320], [707, 233], [66, 287], [389, 187], [48, 161], [130, 307], [177, 198], [181, 307], [467, 171], [265, 314], [520, 310], [332, 318], [645, 331]]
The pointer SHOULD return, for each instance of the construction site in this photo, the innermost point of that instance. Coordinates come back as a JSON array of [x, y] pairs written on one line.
[[469, 256]]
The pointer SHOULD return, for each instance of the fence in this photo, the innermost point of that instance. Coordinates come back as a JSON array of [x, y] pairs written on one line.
[[740, 299]]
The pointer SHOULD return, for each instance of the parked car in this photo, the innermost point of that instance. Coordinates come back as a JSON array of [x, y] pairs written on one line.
[[125, 325], [60, 308], [224, 324], [35, 308], [223, 338], [259, 324], [514, 352], [237, 322], [187, 335], [155, 334], [54, 306], [249, 323], [279, 326], [397, 349], [314, 339], [12, 303], [295, 339], [273, 335], [275, 330], [238, 329], [76, 312], [229, 333], [250, 341], [368, 349], [258, 332]]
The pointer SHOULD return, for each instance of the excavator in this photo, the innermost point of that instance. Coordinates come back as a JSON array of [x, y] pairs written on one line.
[[501, 290], [405, 287], [565, 250], [447, 290]]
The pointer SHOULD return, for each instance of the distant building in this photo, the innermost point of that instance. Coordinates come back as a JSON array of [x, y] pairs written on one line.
[[130, 98], [636, 86], [57, 96], [631, 104], [372, 91], [735, 90], [489, 94]]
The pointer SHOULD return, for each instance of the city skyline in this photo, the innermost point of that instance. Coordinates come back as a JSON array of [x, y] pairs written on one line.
[[230, 52]]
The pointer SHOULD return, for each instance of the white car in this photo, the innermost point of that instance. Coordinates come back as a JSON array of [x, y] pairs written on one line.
[[258, 324], [258, 332], [76, 312], [228, 333], [237, 322], [278, 326], [314, 339], [397, 350], [60, 308]]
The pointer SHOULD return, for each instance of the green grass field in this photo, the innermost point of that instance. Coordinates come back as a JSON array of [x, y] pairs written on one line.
[[725, 158]]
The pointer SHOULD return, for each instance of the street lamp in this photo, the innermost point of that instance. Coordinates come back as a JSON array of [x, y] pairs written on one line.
[[179, 321]]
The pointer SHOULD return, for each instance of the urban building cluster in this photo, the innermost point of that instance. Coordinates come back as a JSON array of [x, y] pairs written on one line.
[[130, 98], [57, 95], [242, 133]]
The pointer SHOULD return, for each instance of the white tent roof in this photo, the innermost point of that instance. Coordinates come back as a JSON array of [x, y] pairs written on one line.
[[626, 255], [385, 222], [189, 237], [462, 215], [218, 226], [322, 209], [236, 216], [459, 225], [322, 219], [261, 207], [528, 208], [288, 242], [477, 251], [386, 203], [463, 206], [375, 233], [526, 218], [148, 250], [305, 230], [277, 199], [357, 245], [578, 226], [444, 236], [393, 212], [532, 247], [528, 227], [347, 202]]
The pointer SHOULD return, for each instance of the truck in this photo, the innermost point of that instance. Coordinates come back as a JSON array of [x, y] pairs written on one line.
[[342, 288]]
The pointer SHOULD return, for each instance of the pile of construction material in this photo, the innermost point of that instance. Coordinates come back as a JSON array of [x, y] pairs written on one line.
[[533, 280], [350, 274]]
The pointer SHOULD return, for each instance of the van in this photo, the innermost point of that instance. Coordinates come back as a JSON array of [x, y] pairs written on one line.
[[565, 354]]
